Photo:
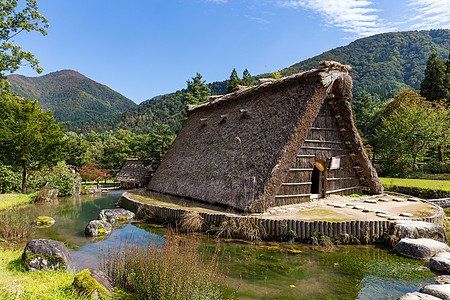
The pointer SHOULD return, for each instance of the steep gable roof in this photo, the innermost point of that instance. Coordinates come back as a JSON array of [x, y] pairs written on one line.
[[236, 149], [132, 171]]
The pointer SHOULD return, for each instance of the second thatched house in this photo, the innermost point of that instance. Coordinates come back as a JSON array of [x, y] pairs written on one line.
[[281, 142], [134, 174]]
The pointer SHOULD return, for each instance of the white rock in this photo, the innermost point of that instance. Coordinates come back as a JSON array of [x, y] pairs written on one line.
[[383, 200], [417, 296], [399, 200], [420, 248], [373, 201], [368, 210], [414, 199], [441, 291], [441, 262], [359, 207], [406, 214], [339, 205]]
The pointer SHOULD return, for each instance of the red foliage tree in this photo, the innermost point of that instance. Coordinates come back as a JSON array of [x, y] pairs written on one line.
[[91, 172]]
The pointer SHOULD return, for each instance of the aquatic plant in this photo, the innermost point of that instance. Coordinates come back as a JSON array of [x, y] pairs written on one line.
[[15, 224], [176, 269], [245, 227], [191, 222]]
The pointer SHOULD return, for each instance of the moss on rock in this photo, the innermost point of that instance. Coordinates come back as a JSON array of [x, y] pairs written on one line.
[[85, 285]]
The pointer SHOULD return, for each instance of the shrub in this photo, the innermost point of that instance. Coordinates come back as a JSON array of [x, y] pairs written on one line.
[[175, 269], [10, 180]]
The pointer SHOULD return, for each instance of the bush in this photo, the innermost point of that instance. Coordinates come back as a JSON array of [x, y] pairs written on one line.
[[59, 177], [175, 269], [10, 180]]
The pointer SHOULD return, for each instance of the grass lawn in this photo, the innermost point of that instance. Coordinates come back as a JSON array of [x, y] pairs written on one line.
[[8, 200], [420, 183], [17, 283]]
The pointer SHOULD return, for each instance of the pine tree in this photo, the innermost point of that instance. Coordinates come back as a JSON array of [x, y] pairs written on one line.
[[247, 78], [434, 85], [234, 81], [198, 92]]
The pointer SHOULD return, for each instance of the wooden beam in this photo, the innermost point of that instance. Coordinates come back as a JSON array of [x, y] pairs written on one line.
[[324, 148], [293, 196], [328, 142], [325, 129], [343, 189], [343, 178], [296, 170], [295, 183], [306, 155]]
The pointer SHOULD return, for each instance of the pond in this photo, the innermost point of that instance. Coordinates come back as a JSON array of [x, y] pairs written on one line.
[[265, 270]]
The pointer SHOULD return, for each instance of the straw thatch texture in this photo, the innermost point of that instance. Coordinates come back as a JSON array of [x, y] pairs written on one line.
[[133, 173], [237, 150]]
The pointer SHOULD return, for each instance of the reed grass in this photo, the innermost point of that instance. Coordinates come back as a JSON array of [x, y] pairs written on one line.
[[15, 224], [175, 269]]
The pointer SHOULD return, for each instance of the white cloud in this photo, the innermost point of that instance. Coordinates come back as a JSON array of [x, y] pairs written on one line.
[[353, 16], [431, 14]]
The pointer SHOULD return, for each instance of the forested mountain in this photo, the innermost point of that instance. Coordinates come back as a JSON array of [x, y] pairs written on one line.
[[71, 95], [383, 65]]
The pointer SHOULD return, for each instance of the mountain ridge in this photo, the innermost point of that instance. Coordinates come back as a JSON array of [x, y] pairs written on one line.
[[71, 95]]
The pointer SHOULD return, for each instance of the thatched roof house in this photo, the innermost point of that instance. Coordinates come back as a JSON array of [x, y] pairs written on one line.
[[280, 142], [134, 174]]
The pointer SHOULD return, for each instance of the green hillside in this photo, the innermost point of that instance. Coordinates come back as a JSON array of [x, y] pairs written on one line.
[[71, 95], [383, 65]]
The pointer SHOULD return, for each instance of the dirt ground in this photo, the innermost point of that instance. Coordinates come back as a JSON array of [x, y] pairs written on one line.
[[332, 208]]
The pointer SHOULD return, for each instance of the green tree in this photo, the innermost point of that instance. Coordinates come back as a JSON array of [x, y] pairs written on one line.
[[12, 23], [29, 138], [434, 85], [366, 111], [410, 125], [234, 81], [247, 78], [198, 92]]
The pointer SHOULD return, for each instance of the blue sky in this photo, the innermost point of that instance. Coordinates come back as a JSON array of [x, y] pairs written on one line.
[[144, 48]]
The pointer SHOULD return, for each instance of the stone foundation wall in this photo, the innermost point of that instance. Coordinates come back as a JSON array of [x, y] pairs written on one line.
[[364, 231]]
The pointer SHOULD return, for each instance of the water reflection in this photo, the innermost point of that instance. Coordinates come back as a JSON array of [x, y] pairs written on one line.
[[256, 271]]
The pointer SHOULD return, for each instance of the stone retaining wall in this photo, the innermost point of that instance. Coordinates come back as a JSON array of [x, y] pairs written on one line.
[[364, 231]]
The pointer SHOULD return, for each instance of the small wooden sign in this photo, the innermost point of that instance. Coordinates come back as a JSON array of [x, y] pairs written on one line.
[[335, 163]]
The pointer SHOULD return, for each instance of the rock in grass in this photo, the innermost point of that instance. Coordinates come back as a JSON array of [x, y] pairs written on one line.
[[115, 215], [92, 283], [417, 296], [97, 228], [418, 229], [442, 291], [422, 249], [45, 254], [441, 262], [44, 221]]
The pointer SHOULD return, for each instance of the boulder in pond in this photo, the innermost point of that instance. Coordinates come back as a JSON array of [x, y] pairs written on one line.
[[92, 283], [115, 215], [441, 291], [98, 228], [45, 254], [417, 296], [442, 279], [441, 262], [44, 221], [417, 230], [422, 249]]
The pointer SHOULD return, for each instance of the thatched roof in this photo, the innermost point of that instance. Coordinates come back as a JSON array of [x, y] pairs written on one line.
[[133, 171], [236, 149]]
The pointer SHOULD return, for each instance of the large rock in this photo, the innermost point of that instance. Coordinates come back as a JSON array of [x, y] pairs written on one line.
[[442, 291], [420, 248], [417, 296], [441, 262], [45, 254], [98, 228], [115, 215], [44, 221], [93, 284], [418, 230]]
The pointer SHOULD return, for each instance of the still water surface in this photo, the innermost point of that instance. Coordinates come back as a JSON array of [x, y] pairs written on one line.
[[263, 270]]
